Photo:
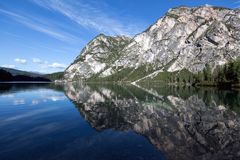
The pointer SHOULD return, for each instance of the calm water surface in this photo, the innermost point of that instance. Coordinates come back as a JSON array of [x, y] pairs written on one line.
[[77, 121]]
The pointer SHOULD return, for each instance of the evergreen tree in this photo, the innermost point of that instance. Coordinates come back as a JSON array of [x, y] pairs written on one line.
[[207, 73]]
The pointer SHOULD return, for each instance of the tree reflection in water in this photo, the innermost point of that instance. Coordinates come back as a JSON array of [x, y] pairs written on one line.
[[184, 123]]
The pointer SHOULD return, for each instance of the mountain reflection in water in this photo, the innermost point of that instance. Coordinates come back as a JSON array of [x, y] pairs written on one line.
[[38, 121], [183, 123]]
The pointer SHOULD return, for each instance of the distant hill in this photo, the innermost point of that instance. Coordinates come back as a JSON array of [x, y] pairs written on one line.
[[15, 72], [8, 74]]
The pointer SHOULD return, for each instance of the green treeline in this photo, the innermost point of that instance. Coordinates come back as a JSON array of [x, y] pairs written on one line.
[[55, 76], [228, 74], [225, 75]]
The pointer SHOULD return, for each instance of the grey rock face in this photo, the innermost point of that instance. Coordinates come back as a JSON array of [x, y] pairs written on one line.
[[185, 38], [184, 128], [98, 55]]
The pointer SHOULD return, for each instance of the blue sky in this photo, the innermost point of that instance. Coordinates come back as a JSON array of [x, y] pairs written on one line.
[[46, 35]]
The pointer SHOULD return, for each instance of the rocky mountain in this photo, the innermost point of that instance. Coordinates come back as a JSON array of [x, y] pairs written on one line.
[[184, 39], [96, 57]]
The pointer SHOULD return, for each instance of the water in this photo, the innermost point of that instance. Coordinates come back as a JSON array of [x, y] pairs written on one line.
[[79, 121]]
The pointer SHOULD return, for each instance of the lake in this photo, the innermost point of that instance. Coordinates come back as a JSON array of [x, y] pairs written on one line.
[[120, 122]]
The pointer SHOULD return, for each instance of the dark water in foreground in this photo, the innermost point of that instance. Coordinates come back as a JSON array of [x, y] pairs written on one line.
[[79, 121]]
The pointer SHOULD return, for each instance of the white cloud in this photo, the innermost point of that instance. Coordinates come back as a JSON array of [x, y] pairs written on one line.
[[35, 102], [20, 61], [37, 60], [92, 16], [9, 66], [9, 95], [57, 65], [208, 5], [19, 102], [53, 97], [45, 64]]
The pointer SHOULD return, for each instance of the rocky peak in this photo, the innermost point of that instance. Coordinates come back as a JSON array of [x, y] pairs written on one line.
[[206, 12], [98, 54], [185, 38], [178, 36]]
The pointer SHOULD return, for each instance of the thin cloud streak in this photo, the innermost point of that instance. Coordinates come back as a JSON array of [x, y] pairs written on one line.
[[237, 5], [88, 16], [28, 22], [238, 2]]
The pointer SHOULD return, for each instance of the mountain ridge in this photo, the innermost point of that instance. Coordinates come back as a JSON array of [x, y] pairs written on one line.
[[184, 39]]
